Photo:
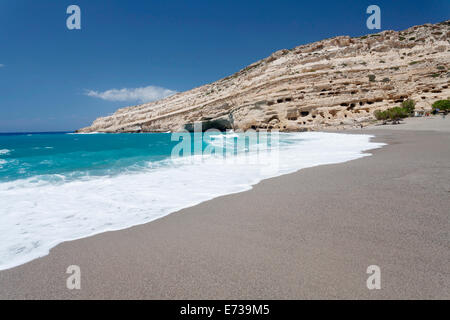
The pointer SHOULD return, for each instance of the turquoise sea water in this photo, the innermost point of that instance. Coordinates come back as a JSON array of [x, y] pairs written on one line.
[[76, 155], [60, 187]]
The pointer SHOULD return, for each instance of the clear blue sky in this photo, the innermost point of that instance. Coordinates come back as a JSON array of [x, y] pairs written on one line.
[[47, 70]]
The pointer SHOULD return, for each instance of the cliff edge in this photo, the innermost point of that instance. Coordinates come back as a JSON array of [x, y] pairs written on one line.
[[334, 83]]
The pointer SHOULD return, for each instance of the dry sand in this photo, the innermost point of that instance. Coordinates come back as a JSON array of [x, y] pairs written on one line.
[[432, 123], [311, 234]]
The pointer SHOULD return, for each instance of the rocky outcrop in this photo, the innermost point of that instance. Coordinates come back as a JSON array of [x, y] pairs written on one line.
[[334, 83]]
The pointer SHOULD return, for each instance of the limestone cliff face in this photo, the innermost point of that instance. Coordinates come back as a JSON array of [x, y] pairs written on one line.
[[334, 83]]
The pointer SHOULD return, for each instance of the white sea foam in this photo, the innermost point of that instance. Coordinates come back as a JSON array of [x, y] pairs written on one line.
[[36, 215], [40, 148], [5, 151]]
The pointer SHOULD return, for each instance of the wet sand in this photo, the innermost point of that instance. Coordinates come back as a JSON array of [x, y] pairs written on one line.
[[306, 235]]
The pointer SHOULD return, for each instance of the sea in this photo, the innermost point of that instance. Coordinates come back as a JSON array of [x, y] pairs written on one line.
[[56, 187]]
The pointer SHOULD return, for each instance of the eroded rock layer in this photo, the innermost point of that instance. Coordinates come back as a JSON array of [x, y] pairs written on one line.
[[334, 83]]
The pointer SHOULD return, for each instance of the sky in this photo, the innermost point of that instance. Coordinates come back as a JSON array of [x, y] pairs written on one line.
[[135, 51]]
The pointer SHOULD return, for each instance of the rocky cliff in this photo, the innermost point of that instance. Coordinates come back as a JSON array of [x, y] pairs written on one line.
[[334, 83]]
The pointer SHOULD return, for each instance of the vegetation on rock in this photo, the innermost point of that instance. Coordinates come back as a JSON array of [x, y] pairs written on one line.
[[442, 105], [396, 113]]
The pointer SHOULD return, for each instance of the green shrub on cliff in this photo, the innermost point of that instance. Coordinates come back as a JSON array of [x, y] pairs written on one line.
[[442, 105], [392, 114], [397, 113], [380, 115], [409, 105]]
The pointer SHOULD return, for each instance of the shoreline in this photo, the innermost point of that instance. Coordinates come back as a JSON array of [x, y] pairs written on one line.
[[144, 200], [290, 237]]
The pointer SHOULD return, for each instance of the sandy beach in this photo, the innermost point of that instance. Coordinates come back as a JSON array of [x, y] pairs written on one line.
[[307, 235]]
